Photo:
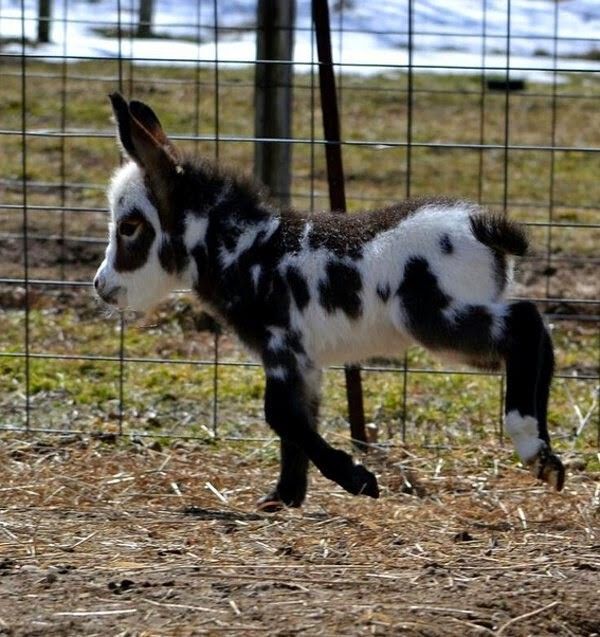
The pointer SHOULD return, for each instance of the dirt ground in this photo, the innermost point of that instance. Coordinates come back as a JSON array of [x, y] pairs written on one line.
[[107, 537]]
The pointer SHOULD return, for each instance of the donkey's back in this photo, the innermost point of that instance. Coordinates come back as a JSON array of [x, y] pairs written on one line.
[[364, 284]]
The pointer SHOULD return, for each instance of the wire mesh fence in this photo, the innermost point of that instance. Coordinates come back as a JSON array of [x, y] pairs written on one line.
[[518, 134]]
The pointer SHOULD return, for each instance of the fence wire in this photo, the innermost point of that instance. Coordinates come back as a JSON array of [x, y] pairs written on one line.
[[58, 150]]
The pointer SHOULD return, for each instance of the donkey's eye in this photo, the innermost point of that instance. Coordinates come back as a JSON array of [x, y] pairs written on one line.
[[128, 228]]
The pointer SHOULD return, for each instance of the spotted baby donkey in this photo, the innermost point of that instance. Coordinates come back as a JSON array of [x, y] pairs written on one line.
[[305, 290]]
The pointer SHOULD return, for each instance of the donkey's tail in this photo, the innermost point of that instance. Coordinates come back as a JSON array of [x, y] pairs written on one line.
[[499, 233]]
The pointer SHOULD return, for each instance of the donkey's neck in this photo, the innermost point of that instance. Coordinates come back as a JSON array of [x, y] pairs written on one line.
[[231, 242]]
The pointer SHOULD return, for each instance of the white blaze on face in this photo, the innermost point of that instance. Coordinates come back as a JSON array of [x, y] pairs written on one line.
[[131, 275]]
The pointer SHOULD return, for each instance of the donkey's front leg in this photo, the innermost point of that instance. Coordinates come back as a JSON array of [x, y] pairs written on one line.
[[293, 479], [290, 490], [288, 413]]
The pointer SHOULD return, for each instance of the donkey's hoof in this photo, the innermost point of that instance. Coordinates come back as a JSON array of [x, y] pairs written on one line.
[[273, 502], [270, 503], [547, 467], [364, 482]]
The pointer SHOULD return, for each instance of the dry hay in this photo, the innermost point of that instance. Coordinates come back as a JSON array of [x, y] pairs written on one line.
[[126, 539]]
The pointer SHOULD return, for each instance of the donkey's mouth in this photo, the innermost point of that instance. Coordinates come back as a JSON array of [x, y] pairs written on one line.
[[112, 296]]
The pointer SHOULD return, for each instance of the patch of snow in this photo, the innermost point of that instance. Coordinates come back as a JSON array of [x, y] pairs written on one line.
[[369, 37]]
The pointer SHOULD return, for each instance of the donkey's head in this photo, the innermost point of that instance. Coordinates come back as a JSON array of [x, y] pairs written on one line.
[[145, 256]]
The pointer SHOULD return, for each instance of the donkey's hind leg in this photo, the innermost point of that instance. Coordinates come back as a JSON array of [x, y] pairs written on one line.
[[484, 335], [527, 349]]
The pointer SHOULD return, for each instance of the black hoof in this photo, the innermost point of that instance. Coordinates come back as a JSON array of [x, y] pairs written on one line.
[[275, 501], [547, 467], [363, 482]]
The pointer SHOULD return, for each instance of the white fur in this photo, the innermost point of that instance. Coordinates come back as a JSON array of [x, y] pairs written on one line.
[[143, 288], [255, 272], [276, 338], [278, 373], [128, 184], [195, 230], [523, 431], [221, 196], [467, 276]]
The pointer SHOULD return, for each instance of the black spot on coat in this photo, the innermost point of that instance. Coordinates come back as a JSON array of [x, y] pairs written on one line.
[[298, 286], [420, 293], [293, 340], [199, 255], [340, 290], [446, 244], [172, 255], [466, 330], [278, 303]]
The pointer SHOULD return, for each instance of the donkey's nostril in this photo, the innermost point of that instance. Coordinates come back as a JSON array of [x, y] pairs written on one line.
[[96, 283]]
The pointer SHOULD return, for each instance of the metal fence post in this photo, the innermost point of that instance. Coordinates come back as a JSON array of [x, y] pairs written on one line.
[[44, 16], [144, 29], [337, 193], [273, 95]]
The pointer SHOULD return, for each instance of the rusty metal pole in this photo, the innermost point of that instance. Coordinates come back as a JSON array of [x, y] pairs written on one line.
[[337, 193]]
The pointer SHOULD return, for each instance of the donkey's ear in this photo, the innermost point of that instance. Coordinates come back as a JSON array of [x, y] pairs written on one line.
[[148, 119], [141, 134], [146, 143], [123, 117]]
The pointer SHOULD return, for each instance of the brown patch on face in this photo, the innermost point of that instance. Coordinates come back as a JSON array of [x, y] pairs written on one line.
[[159, 195], [133, 249], [143, 139]]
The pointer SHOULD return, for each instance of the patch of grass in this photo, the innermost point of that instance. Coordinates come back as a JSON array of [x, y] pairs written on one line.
[[445, 110], [178, 398]]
